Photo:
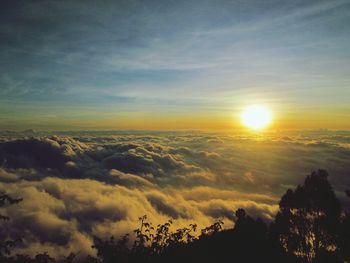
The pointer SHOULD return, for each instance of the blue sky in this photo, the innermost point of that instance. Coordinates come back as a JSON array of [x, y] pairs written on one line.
[[64, 63]]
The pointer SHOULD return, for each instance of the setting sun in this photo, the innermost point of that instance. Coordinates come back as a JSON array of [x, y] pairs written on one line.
[[256, 117], [174, 131]]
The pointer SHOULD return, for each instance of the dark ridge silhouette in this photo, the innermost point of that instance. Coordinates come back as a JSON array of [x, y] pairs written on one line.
[[310, 227], [31, 153]]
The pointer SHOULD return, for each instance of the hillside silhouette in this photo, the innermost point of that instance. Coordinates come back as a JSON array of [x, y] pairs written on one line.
[[310, 227]]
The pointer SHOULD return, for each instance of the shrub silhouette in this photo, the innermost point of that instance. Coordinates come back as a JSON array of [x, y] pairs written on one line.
[[310, 226]]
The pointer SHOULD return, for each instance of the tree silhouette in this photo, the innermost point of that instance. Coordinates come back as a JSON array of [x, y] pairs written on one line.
[[344, 237], [307, 223], [251, 238], [307, 228], [310, 226]]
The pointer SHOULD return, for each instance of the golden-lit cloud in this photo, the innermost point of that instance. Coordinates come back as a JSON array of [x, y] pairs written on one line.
[[83, 184]]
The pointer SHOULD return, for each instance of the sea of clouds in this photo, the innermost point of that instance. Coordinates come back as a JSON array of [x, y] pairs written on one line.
[[76, 185]]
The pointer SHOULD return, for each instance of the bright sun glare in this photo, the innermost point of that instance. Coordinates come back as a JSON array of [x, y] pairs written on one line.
[[256, 117]]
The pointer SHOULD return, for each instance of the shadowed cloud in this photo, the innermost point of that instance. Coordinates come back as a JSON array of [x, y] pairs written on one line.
[[76, 186]]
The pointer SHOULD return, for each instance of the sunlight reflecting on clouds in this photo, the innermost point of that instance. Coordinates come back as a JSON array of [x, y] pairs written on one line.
[[99, 183]]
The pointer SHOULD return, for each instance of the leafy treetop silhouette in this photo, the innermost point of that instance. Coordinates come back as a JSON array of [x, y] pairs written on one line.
[[310, 227], [308, 219]]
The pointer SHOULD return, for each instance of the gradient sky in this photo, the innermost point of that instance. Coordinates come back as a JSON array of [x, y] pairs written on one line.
[[173, 64]]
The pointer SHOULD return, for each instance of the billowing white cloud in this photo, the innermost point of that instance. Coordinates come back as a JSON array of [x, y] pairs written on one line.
[[76, 186]]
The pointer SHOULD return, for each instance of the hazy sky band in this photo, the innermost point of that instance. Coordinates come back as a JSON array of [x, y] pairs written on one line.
[[161, 64]]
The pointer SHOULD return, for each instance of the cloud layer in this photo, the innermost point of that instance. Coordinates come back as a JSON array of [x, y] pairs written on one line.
[[83, 184]]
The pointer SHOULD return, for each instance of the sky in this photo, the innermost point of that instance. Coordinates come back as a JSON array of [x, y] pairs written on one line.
[[69, 65]]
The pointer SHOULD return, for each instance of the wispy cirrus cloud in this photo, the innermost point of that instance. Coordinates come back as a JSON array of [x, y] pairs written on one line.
[[131, 55]]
